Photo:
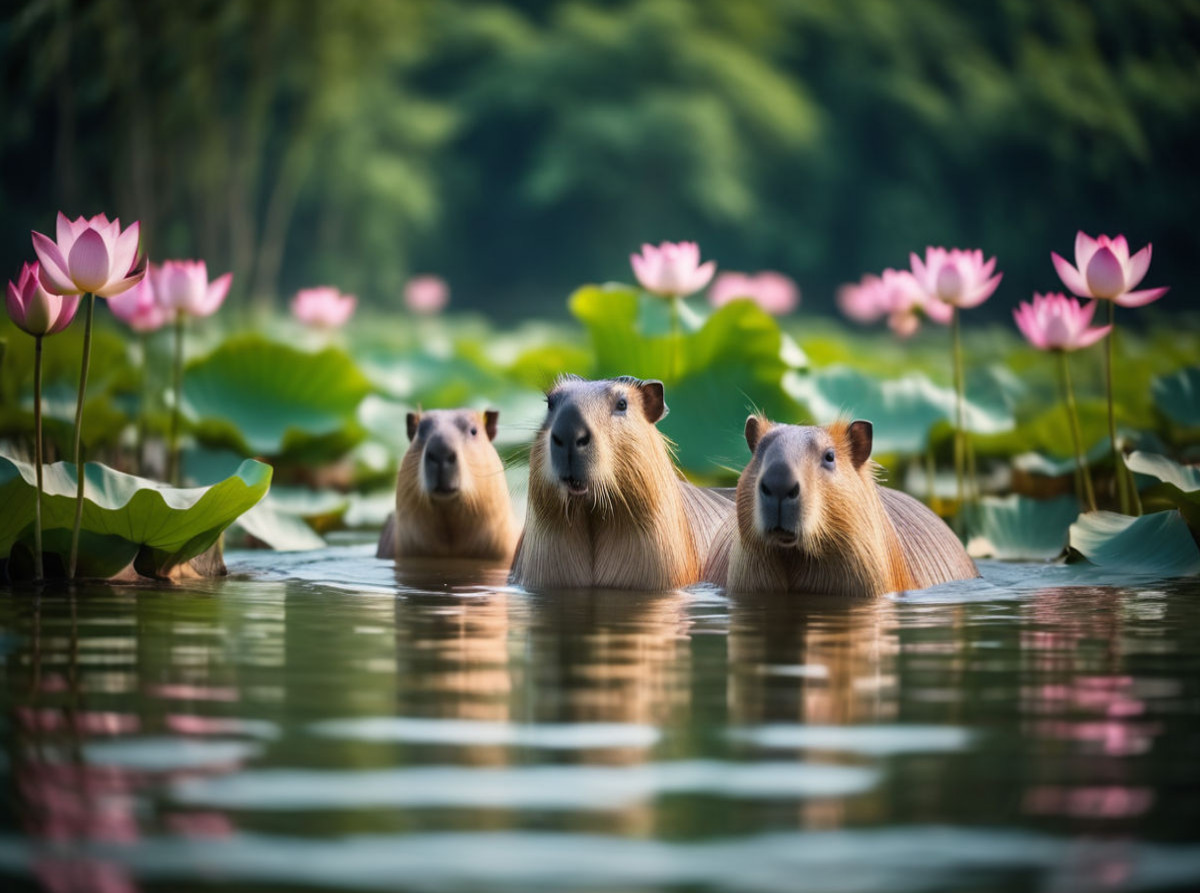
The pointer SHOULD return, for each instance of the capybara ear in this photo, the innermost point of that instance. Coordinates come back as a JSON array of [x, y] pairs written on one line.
[[490, 417], [653, 403], [861, 435], [414, 419], [756, 427]]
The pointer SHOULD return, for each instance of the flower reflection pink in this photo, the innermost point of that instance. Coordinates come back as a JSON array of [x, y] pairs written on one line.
[[80, 875], [200, 824], [82, 723], [183, 692], [205, 725], [1108, 802], [1114, 738]]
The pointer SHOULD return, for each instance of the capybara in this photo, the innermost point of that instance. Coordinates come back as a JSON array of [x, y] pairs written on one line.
[[607, 507], [451, 494], [811, 518]]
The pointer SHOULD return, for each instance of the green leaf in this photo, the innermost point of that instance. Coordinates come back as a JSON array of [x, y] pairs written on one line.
[[265, 398], [903, 410], [1178, 396], [1017, 528], [1158, 543], [280, 530], [1185, 477], [1179, 485], [164, 526]]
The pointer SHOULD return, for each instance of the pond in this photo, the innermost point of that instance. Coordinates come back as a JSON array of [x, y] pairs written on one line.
[[318, 721]]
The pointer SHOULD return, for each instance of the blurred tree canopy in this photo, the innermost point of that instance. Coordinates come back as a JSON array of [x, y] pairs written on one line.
[[519, 149]]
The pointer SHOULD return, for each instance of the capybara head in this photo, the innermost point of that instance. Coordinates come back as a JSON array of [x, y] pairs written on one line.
[[598, 445], [451, 452], [806, 487]]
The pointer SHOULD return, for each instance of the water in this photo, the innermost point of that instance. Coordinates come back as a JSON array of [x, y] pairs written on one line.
[[316, 721]]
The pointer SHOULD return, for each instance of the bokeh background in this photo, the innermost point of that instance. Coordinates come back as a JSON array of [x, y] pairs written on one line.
[[519, 149]]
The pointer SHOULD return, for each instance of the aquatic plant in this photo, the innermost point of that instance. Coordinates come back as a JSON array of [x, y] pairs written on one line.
[[323, 307], [1060, 324], [182, 289], [426, 295], [89, 257], [773, 292], [961, 280], [1104, 270], [39, 313], [672, 270]]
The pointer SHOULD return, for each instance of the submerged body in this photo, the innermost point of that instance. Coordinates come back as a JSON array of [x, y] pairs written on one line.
[[607, 507], [451, 495], [811, 518]]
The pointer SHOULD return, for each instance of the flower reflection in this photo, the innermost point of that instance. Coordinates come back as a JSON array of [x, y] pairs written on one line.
[[1111, 802]]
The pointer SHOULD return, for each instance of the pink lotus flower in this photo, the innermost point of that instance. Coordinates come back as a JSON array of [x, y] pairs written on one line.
[[773, 292], [89, 256], [35, 310], [905, 303], [1103, 269], [426, 294], [139, 308], [959, 278], [323, 307], [672, 270], [1056, 322], [182, 286]]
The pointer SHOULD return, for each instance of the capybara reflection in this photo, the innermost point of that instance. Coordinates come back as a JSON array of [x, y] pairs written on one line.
[[811, 518], [451, 495], [607, 507]]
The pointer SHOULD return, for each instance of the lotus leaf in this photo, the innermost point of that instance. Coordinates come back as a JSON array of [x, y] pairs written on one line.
[[265, 398], [1158, 544], [163, 526]]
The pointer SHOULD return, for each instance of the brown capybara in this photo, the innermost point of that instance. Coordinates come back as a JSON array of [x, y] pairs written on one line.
[[812, 519], [451, 494], [607, 507]]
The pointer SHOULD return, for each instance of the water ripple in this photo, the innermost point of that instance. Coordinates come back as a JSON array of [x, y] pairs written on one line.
[[876, 741], [544, 736]]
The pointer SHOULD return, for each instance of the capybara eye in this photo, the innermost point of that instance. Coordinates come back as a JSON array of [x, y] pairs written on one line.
[[830, 456], [474, 430], [622, 405]]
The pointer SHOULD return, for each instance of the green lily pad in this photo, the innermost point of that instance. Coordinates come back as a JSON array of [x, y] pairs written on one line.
[[1178, 396], [1178, 487], [1017, 528], [264, 398], [1159, 543], [281, 530], [123, 514], [903, 410], [730, 366]]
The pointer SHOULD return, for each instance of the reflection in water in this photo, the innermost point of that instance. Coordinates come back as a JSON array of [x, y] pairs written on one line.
[[327, 721], [812, 663]]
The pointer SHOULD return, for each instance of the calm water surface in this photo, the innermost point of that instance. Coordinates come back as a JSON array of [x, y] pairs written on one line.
[[319, 721]]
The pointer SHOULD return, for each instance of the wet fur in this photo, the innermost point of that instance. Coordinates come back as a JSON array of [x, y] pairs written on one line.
[[640, 526], [861, 539], [477, 523]]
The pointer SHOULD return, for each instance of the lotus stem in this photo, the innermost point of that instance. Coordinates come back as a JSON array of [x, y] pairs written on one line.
[[83, 375], [38, 571], [674, 362], [959, 439], [1083, 473], [1122, 480], [173, 461], [143, 405]]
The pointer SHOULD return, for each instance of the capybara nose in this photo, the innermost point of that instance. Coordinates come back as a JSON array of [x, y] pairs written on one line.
[[569, 437], [779, 499], [441, 466]]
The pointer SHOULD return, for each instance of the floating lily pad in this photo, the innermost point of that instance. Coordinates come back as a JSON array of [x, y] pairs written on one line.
[[1017, 528], [1159, 543], [264, 398], [279, 529], [1178, 396], [124, 515]]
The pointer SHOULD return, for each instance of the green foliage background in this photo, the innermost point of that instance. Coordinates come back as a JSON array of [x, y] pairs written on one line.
[[521, 148]]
